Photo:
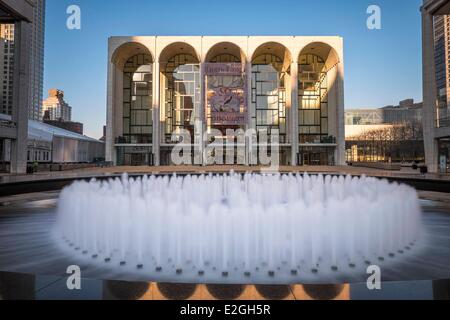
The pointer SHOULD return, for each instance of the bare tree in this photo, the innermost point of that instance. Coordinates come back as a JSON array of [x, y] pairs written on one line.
[[397, 142]]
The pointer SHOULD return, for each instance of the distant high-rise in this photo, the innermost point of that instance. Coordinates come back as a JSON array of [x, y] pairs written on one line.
[[36, 72], [55, 107], [6, 67]]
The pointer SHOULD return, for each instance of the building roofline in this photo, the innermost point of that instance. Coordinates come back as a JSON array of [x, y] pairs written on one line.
[[18, 10], [436, 7], [224, 36], [59, 132]]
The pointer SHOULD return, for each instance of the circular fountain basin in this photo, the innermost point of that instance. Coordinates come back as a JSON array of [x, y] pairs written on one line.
[[234, 228]]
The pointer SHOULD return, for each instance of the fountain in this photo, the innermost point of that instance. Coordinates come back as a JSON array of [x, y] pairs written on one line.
[[239, 228]]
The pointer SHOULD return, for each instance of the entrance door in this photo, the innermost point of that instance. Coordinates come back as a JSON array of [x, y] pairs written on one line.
[[316, 156], [138, 159], [141, 159], [305, 159]]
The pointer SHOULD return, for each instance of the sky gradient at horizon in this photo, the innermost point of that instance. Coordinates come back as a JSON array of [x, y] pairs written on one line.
[[382, 67]]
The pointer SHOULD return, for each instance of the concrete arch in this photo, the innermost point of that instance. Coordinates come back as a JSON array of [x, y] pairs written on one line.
[[323, 50], [175, 48], [277, 49], [226, 48], [179, 103], [330, 51], [127, 50]]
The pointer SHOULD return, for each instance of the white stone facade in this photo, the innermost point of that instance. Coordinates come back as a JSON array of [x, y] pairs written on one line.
[[204, 49]]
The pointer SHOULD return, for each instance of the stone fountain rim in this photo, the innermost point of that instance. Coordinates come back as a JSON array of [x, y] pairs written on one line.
[[56, 184]]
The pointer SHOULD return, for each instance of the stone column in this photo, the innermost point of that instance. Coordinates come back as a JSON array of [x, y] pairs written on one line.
[[293, 121], [21, 83], [340, 121], [250, 111], [429, 92], [113, 102], [156, 114], [202, 124], [109, 113]]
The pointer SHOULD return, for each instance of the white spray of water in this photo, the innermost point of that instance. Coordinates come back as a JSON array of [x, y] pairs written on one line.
[[234, 224]]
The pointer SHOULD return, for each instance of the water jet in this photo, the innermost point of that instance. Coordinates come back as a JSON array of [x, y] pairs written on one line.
[[272, 222]]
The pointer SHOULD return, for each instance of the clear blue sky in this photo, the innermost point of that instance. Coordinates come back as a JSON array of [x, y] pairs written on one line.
[[381, 66]]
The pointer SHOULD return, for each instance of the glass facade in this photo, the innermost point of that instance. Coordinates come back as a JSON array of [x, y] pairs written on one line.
[[313, 99], [181, 94], [316, 156], [135, 156], [442, 63], [269, 94], [137, 100], [444, 155]]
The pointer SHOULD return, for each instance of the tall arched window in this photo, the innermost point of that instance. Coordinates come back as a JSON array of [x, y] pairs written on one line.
[[269, 94], [137, 99], [181, 93], [313, 99]]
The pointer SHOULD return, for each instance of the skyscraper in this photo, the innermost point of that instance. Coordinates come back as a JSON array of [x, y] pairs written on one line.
[[7, 67], [37, 61], [55, 106], [36, 72]]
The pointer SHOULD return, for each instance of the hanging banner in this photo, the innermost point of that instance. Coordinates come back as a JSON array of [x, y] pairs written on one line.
[[226, 93], [225, 69]]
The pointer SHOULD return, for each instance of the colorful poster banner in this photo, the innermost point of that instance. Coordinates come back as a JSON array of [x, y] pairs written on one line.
[[226, 93]]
